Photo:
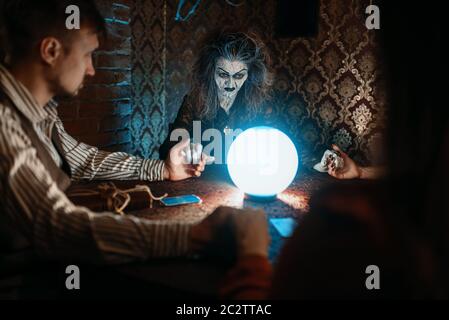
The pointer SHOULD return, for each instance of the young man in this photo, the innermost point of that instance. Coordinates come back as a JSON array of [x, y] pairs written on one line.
[[43, 59]]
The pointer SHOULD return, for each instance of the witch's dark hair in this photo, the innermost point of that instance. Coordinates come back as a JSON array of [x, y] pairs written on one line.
[[234, 46]]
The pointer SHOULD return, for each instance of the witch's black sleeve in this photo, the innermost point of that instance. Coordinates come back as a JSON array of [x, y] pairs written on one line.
[[184, 120]]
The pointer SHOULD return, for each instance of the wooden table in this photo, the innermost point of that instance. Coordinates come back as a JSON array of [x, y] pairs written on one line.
[[216, 189]]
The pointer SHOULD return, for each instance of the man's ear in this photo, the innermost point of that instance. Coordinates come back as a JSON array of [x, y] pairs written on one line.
[[50, 49]]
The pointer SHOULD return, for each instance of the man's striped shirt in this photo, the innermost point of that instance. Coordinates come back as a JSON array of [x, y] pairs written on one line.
[[39, 212]]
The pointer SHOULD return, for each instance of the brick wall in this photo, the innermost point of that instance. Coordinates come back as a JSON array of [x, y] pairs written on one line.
[[100, 115]]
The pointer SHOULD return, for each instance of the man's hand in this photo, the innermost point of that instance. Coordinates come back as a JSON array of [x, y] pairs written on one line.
[[230, 232], [179, 165], [251, 232]]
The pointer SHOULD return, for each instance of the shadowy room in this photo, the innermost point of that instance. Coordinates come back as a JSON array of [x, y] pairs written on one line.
[[214, 150]]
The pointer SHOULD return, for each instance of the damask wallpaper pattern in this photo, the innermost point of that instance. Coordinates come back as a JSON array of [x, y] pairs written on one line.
[[149, 118], [331, 90]]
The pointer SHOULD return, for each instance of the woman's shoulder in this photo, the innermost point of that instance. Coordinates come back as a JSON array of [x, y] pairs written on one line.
[[355, 199], [189, 105]]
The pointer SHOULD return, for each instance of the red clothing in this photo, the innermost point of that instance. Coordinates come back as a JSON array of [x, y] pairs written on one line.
[[249, 279], [347, 230]]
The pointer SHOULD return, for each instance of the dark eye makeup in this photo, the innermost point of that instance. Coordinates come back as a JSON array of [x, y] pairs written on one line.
[[239, 76]]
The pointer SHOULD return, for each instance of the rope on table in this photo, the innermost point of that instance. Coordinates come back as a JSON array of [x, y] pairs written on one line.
[[116, 199]]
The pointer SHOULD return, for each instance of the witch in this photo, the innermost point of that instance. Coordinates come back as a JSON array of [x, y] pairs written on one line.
[[231, 89]]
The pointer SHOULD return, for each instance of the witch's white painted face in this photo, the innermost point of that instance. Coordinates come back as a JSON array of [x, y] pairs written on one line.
[[230, 76]]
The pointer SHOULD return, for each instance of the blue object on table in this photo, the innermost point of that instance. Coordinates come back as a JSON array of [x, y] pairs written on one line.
[[285, 226], [177, 201]]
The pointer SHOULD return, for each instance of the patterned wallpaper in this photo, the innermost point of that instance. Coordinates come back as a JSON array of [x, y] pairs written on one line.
[[149, 119], [330, 89]]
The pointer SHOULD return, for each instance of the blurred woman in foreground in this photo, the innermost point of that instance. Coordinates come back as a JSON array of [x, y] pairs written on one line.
[[398, 224]]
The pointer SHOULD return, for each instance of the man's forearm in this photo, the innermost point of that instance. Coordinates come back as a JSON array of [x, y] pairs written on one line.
[[90, 163]]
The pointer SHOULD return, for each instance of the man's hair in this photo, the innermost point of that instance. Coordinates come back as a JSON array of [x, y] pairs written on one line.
[[24, 23], [231, 45]]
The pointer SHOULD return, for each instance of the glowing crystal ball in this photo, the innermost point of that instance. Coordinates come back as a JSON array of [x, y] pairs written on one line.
[[262, 162]]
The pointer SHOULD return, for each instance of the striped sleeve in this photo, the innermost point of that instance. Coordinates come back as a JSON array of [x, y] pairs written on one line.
[[89, 163], [57, 228]]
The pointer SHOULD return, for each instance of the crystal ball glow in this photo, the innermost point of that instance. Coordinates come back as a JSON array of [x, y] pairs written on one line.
[[262, 161]]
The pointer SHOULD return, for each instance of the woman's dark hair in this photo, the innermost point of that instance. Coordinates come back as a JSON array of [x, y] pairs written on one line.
[[243, 47], [24, 23]]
